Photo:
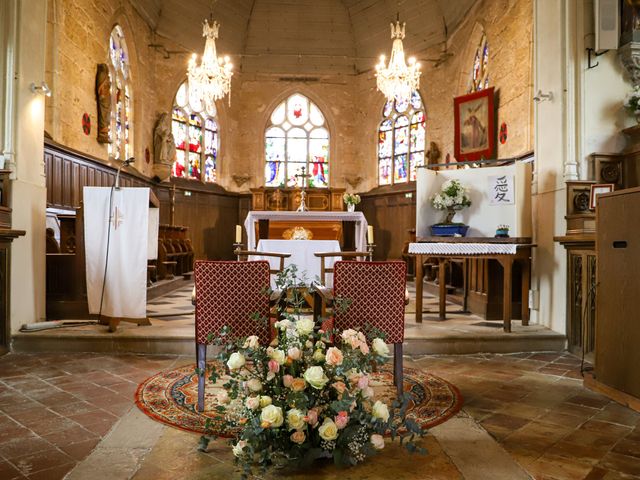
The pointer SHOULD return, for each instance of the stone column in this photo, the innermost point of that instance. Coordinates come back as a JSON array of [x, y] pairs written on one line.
[[29, 202]]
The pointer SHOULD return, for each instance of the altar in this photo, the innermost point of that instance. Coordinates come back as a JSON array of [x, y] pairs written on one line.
[[350, 227]]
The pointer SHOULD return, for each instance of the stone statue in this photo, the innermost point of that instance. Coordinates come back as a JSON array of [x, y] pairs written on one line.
[[164, 147], [103, 98], [433, 154]]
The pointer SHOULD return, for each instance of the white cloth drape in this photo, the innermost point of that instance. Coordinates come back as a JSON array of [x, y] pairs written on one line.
[[302, 255], [127, 225], [463, 248]]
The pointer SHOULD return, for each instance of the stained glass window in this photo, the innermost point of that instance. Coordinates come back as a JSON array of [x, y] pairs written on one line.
[[196, 138], [480, 72], [121, 137], [297, 137], [401, 140]]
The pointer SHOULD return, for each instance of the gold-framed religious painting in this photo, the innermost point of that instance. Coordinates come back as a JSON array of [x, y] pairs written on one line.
[[474, 126]]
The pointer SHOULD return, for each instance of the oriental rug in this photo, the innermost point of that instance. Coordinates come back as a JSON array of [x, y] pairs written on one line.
[[170, 397]]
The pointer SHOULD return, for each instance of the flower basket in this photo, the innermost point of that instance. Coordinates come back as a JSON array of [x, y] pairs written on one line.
[[306, 396]]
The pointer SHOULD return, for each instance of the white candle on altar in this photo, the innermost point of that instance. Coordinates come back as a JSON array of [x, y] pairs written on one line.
[[370, 235], [238, 234]]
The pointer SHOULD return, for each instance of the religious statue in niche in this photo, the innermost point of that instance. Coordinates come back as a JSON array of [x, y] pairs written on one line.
[[164, 147], [103, 98]]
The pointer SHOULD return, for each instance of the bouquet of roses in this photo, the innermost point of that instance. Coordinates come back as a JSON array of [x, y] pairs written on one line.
[[305, 397], [351, 198]]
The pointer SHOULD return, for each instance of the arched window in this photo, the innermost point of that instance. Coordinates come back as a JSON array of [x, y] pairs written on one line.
[[121, 133], [401, 139], [480, 72], [195, 131], [296, 138]]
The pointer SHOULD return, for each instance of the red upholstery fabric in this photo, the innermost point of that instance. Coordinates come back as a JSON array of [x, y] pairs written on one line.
[[376, 291], [229, 293]]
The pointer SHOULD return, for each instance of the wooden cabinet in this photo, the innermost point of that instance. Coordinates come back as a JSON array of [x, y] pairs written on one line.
[[286, 199], [618, 302], [581, 293]]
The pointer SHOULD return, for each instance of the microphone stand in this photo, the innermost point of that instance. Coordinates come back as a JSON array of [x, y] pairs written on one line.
[[126, 163]]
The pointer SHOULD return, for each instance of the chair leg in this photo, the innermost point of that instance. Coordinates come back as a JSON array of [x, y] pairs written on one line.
[[397, 367], [201, 361]]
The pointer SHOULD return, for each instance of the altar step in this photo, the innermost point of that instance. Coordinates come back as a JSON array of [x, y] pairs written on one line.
[[461, 334]]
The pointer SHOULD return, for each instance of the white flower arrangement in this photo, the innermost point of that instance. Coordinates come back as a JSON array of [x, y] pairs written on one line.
[[351, 198], [632, 101], [451, 197]]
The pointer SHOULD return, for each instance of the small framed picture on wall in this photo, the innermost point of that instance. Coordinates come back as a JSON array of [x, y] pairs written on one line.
[[598, 189], [474, 126]]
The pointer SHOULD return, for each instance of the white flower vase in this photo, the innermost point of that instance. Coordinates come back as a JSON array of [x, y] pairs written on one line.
[[351, 207]]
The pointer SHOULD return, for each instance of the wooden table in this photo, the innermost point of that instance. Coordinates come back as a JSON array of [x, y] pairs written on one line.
[[523, 254]]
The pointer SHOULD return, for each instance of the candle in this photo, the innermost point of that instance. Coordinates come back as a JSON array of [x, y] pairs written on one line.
[[370, 235], [238, 234]]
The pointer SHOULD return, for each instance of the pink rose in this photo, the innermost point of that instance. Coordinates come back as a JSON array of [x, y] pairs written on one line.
[[312, 417], [341, 419], [298, 437], [364, 348], [287, 380], [274, 366], [339, 386], [363, 382], [334, 356]]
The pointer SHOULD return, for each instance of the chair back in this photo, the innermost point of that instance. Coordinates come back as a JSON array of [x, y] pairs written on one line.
[[376, 291], [230, 293]]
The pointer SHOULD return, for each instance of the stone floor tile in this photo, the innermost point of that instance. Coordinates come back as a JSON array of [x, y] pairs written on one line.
[[41, 460], [559, 469], [55, 473], [76, 433], [594, 401], [79, 450], [22, 446], [629, 447], [606, 428], [621, 463], [616, 413], [9, 472]]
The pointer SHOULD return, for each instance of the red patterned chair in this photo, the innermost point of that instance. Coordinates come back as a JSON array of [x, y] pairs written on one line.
[[376, 291], [229, 293]]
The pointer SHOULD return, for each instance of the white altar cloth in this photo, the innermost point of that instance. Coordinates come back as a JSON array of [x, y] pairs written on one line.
[[463, 248], [358, 217], [302, 255]]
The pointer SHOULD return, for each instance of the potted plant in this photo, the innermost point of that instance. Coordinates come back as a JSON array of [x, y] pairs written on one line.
[[632, 102], [451, 198], [351, 199]]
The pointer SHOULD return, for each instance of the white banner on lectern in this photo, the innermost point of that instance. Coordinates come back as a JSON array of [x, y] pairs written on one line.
[[125, 291]]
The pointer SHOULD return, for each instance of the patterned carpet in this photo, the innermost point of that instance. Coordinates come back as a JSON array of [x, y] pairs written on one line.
[[170, 397]]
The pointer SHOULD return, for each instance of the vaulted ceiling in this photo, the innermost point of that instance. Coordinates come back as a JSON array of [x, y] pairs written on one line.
[[304, 36]]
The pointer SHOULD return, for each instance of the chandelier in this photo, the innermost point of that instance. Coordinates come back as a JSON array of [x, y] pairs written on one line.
[[211, 80], [397, 80]]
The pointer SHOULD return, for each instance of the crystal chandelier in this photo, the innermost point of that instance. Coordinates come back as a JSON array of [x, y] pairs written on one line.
[[211, 80], [397, 80]]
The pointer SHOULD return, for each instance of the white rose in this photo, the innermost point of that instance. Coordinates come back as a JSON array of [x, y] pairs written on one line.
[[380, 347], [252, 403], [236, 361], [315, 377], [239, 447], [272, 415], [278, 355], [328, 430], [265, 400], [305, 326], [254, 385], [378, 441], [282, 324], [294, 353], [295, 419], [380, 410], [251, 342]]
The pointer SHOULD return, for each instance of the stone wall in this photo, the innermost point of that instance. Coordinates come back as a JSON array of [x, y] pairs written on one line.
[[78, 33]]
